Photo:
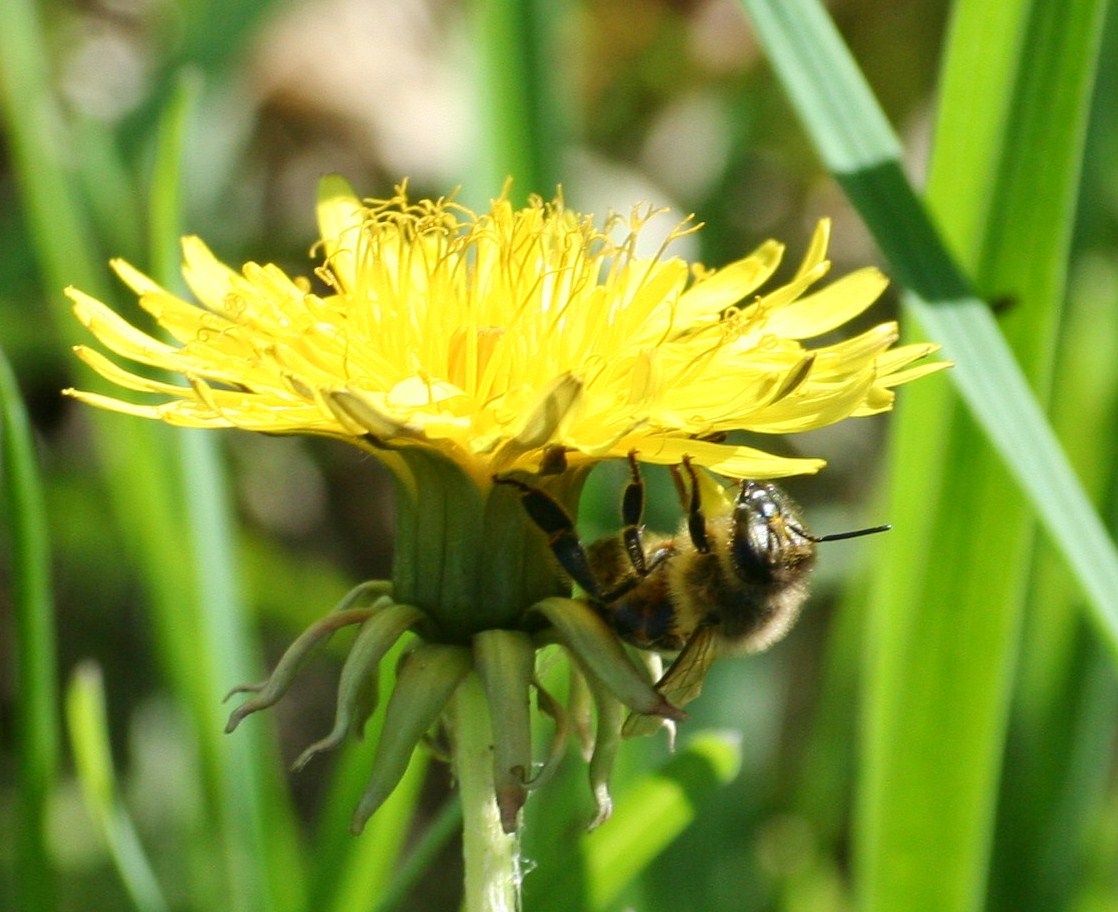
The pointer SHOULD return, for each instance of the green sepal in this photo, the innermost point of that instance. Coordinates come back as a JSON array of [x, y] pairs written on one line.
[[549, 706], [427, 680], [607, 739], [638, 726], [357, 697], [269, 692], [597, 647], [578, 707], [504, 660]]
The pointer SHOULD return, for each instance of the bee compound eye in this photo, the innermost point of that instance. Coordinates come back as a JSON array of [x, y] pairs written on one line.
[[755, 546], [762, 500]]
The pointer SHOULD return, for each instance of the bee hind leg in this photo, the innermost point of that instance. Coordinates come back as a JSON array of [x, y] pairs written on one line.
[[632, 513], [556, 523]]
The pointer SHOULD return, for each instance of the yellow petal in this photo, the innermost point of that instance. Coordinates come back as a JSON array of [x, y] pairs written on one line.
[[816, 252], [725, 459], [121, 377], [501, 337], [133, 278], [838, 303], [118, 334], [728, 286], [210, 280], [340, 217]]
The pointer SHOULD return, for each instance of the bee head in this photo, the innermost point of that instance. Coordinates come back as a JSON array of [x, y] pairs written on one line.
[[769, 539], [768, 536]]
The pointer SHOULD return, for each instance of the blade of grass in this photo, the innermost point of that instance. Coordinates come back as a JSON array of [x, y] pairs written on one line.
[[1066, 702], [1013, 236], [945, 634], [106, 181], [89, 735], [422, 855], [139, 462], [37, 722], [132, 456], [31, 114], [369, 868], [213, 645], [356, 872], [524, 113], [966, 163]]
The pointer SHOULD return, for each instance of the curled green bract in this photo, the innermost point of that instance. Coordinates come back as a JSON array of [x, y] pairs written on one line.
[[607, 739], [312, 639], [504, 662], [357, 687], [581, 629]]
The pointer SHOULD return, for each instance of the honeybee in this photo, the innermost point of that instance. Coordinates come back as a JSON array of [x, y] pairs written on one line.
[[728, 583]]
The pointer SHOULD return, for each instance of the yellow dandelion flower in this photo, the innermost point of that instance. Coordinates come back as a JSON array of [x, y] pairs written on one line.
[[498, 338], [519, 346]]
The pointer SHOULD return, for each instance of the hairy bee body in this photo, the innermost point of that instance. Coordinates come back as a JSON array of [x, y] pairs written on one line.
[[745, 584], [729, 582]]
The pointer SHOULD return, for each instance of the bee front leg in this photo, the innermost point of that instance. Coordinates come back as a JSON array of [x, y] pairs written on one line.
[[692, 503], [632, 513]]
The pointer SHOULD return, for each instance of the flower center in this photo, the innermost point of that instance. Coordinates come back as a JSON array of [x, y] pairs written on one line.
[[470, 350]]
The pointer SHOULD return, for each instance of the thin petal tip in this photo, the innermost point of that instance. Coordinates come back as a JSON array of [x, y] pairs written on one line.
[[334, 186]]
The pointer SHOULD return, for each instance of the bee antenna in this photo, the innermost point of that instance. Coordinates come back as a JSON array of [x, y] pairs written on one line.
[[857, 533]]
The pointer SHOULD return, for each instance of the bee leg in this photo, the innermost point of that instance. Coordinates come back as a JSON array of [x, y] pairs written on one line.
[[631, 535], [556, 523], [632, 511], [696, 520]]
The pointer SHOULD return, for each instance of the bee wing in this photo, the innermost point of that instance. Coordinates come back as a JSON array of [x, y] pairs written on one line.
[[682, 683]]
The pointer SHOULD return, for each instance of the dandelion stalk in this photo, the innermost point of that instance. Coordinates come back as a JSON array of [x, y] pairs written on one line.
[[492, 855]]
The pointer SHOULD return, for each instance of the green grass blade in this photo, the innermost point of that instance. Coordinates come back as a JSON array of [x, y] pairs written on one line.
[[647, 817], [37, 723], [945, 634], [422, 855], [60, 235], [134, 456], [971, 136], [367, 869], [1066, 701], [213, 646], [89, 735], [62, 243], [1017, 239], [525, 115]]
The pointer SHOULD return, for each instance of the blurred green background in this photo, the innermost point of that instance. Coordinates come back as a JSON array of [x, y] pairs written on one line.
[[181, 564]]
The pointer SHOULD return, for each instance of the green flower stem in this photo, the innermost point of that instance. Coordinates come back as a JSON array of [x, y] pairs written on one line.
[[492, 855]]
